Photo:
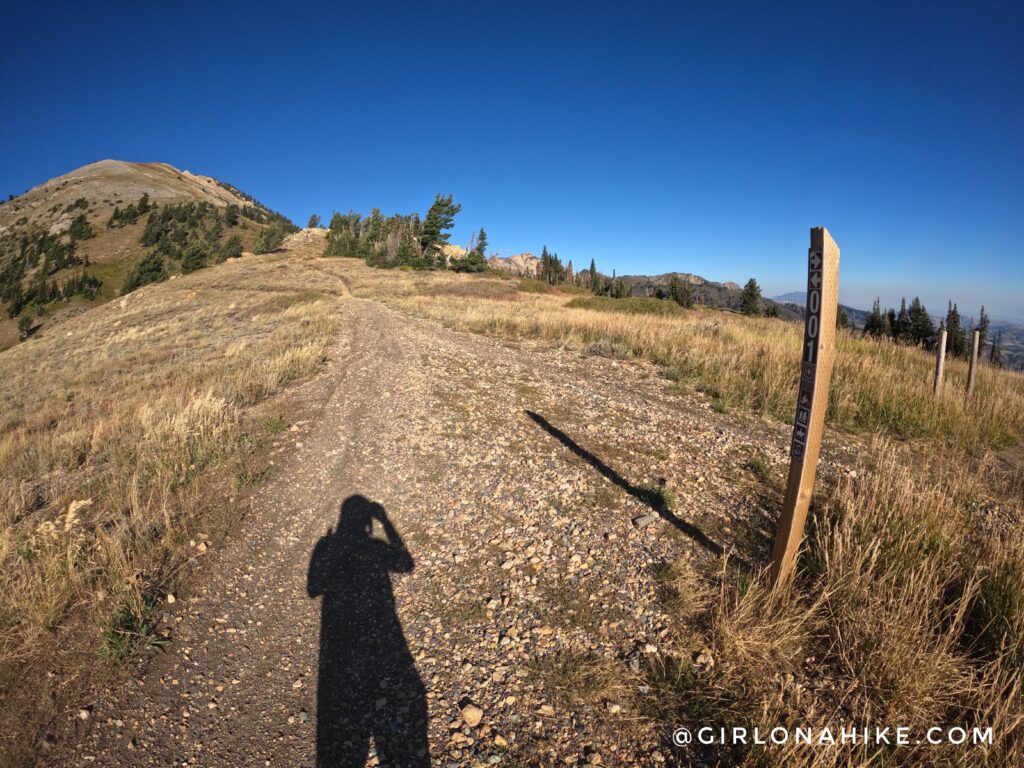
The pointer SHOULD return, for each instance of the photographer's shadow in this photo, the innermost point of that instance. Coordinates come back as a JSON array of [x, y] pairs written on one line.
[[368, 685]]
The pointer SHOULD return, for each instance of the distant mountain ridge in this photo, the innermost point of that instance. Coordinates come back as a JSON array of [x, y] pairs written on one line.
[[707, 292], [799, 298]]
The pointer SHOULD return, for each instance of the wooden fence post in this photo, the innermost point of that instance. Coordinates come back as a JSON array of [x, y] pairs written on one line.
[[812, 399], [940, 363], [973, 366]]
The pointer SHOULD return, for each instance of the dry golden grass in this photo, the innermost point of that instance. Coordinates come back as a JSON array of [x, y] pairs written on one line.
[[748, 364], [909, 605], [888, 623], [123, 430]]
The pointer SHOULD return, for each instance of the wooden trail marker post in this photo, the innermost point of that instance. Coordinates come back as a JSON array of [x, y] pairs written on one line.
[[812, 398], [940, 362], [973, 369]]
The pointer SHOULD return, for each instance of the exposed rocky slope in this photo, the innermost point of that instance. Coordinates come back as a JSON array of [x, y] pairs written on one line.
[[521, 264]]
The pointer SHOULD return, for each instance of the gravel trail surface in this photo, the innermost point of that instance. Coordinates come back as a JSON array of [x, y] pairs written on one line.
[[457, 559]]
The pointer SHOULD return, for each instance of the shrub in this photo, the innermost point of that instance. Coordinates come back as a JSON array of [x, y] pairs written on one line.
[[80, 228], [232, 249], [472, 262], [271, 239], [24, 327], [151, 269], [195, 257]]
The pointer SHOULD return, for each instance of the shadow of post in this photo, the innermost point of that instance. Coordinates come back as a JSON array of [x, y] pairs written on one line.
[[367, 685], [650, 497]]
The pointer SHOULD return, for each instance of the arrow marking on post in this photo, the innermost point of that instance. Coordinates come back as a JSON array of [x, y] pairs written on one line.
[[818, 356]]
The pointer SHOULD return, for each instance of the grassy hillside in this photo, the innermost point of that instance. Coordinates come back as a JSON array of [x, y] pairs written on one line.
[[71, 242], [128, 435]]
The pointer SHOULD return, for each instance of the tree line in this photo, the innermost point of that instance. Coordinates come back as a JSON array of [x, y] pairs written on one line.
[[191, 234], [43, 254], [914, 326], [404, 240], [131, 214]]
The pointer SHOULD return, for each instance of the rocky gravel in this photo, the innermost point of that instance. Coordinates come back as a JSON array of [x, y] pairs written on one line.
[[498, 572]]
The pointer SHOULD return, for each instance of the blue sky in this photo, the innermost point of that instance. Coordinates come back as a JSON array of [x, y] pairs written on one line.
[[651, 137]]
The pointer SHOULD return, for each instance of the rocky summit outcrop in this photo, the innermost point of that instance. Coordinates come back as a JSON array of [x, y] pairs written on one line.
[[452, 252], [522, 264]]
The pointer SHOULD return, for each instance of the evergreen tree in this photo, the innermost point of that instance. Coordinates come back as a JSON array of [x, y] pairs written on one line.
[[16, 296], [381, 241], [874, 325], [996, 355], [24, 327], [473, 260], [151, 269], [901, 326], [750, 300], [680, 291], [890, 323], [232, 249], [80, 228], [842, 319], [271, 238], [984, 324], [551, 269], [195, 257], [956, 341], [314, 222], [618, 289], [593, 277], [440, 218], [143, 206], [922, 329], [231, 215]]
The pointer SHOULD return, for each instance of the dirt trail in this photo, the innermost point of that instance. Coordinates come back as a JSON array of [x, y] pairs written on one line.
[[515, 551]]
